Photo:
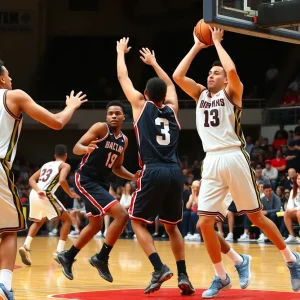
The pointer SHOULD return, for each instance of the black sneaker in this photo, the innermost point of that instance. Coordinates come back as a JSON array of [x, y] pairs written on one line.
[[66, 264], [158, 277], [185, 285], [102, 267]]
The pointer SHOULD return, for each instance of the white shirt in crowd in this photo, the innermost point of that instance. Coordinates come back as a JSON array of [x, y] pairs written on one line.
[[125, 200], [271, 174], [294, 203]]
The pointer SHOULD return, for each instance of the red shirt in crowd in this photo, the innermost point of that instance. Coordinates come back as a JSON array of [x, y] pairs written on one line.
[[278, 143], [278, 162]]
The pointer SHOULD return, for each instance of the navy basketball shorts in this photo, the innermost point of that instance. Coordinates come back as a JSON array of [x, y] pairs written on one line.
[[96, 197], [159, 193]]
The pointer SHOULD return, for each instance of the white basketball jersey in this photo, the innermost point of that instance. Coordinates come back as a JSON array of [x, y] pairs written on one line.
[[218, 122], [10, 128], [49, 177]]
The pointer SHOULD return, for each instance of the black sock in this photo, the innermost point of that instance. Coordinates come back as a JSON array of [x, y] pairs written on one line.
[[72, 252], [104, 252], [155, 261], [181, 267]]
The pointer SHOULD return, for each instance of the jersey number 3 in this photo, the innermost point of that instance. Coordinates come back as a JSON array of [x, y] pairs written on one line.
[[214, 114], [165, 138]]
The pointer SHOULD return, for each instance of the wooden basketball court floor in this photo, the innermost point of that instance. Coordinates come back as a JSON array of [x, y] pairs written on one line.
[[131, 271]]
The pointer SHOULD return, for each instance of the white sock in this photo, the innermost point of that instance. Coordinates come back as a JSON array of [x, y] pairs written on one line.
[[235, 257], [28, 242], [220, 270], [6, 278], [61, 246], [288, 256]]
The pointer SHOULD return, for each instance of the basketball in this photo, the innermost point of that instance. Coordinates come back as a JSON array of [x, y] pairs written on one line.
[[203, 33]]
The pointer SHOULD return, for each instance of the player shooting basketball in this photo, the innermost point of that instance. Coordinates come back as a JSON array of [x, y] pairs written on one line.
[[227, 165]]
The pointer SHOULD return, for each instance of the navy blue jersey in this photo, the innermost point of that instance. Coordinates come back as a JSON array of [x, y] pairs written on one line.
[[157, 133], [97, 165]]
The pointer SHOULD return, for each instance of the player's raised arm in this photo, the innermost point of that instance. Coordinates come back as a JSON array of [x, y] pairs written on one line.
[[19, 101], [234, 87], [88, 142], [120, 171], [148, 58], [191, 87], [133, 96], [64, 171]]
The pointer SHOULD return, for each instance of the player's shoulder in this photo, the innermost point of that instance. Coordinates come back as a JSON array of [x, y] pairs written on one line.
[[16, 93]]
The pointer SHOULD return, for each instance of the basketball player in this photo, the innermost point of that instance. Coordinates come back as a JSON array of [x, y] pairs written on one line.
[[12, 104], [161, 185], [43, 202], [226, 166], [103, 147]]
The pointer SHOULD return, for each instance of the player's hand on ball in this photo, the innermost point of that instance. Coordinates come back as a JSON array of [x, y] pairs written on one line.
[[74, 195], [75, 101], [91, 147], [216, 33], [137, 175], [42, 194], [148, 57], [197, 42], [122, 45]]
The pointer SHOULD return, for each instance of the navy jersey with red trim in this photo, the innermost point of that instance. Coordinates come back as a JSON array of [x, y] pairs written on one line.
[[157, 133], [97, 165]]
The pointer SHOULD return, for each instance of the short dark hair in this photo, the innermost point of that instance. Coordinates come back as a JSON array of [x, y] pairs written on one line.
[[156, 89], [217, 63], [60, 150], [267, 186], [186, 183], [1, 66], [115, 103]]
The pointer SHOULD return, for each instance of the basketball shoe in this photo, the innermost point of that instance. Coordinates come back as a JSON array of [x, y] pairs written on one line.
[[217, 285], [25, 255], [5, 294], [102, 267], [158, 277], [185, 285], [243, 270], [66, 264], [295, 272]]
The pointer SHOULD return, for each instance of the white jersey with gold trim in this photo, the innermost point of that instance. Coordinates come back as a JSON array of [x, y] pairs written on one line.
[[10, 128], [218, 122]]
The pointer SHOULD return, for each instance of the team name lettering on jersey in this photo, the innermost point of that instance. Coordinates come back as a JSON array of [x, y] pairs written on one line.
[[214, 103], [114, 146]]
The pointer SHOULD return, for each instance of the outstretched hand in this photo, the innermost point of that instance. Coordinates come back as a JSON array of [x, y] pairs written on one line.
[[197, 42], [75, 100], [216, 33], [122, 45], [148, 57]]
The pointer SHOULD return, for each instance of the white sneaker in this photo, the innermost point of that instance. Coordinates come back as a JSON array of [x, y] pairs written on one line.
[[195, 237], [292, 240], [244, 238], [229, 237], [134, 236], [53, 232], [74, 234], [261, 238], [98, 235], [188, 237]]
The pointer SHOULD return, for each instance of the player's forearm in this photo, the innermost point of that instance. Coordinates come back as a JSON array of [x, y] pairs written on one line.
[[162, 74], [64, 185], [65, 116], [185, 64], [121, 66], [33, 184], [79, 149], [122, 172], [225, 59]]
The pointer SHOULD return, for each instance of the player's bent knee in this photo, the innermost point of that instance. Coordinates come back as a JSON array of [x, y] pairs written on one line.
[[170, 228], [205, 222]]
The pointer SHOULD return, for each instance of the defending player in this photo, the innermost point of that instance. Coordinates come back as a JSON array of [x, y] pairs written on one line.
[[226, 166], [103, 147], [12, 104], [43, 202], [161, 185]]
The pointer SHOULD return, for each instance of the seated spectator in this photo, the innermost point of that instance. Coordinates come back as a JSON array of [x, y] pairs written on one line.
[[232, 212], [77, 214], [291, 179], [192, 204], [259, 176], [271, 205], [264, 144], [261, 189], [249, 144], [255, 151], [284, 151], [289, 99], [125, 202], [292, 213], [270, 154], [284, 201], [279, 163], [293, 155], [196, 170], [279, 141], [291, 134], [186, 212], [280, 193], [270, 173], [281, 133]]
